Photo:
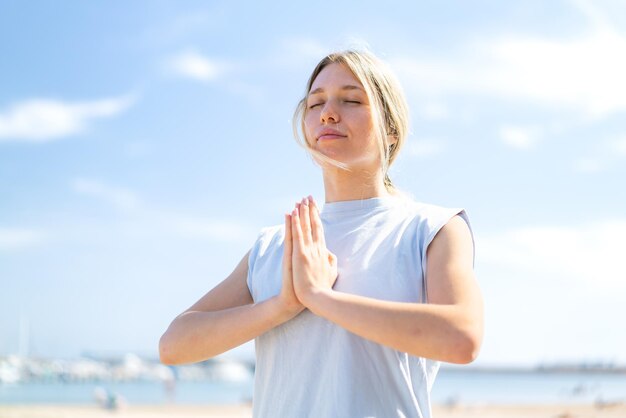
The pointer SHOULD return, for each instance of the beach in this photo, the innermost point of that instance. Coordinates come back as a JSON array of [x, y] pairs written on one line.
[[245, 411]]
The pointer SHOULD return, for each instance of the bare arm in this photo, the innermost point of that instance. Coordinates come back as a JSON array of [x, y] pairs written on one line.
[[449, 328], [226, 317]]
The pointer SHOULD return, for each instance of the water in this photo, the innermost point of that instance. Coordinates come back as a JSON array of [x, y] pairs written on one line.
[[476, 387], [452, 386], [190, 393]]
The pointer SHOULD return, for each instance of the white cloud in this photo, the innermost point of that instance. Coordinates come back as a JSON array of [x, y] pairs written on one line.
[[590, 253], [567, 281], [196, 66], [594, 16], [520, 137], [582, 73], [41, 120], [424, 147], [122, 199], [585, 73], [19, 238]]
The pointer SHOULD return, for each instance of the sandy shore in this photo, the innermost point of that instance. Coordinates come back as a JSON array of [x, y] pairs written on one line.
[[244, 411], [531, 411]]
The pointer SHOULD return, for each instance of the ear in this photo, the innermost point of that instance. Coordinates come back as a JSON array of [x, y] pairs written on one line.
[[392, 141]]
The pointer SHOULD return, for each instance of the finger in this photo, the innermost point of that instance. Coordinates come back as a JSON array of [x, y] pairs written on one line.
[[305, 220], [296, 231], [288, 245], [332, 259], [317, 228]]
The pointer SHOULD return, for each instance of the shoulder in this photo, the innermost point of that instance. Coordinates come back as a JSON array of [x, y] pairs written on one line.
[[452, 239], [268, 239], [455, 233], [264, 260], [271, 233], [430, 217], [431, 220]]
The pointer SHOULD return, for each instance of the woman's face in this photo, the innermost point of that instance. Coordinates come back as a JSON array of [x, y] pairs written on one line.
[[338, 119]]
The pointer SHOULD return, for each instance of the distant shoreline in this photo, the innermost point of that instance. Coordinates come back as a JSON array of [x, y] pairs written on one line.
[[537, 369]]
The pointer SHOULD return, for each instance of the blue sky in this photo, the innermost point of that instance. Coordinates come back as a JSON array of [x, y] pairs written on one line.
[[143, 145]]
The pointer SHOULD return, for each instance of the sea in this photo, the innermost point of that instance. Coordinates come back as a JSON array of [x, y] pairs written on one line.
[[452, 387]]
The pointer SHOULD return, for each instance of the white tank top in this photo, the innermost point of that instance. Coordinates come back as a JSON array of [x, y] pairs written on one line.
[[310, 367]]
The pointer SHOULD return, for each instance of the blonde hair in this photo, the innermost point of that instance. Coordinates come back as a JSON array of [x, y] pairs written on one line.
[[390, 114]]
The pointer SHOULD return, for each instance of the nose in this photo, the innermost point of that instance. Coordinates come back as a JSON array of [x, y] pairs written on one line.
[[329, 113]]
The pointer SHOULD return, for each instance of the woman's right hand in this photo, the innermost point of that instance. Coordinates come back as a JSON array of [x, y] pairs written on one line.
[[287, 293]]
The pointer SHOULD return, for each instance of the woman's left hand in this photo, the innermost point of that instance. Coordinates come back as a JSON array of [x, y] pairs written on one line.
[[314, 267]]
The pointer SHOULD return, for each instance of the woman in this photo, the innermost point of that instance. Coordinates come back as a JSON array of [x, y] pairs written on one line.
[[353, 306]]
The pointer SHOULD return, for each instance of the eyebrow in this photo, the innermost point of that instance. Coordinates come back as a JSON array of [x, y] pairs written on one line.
[[346, 87]]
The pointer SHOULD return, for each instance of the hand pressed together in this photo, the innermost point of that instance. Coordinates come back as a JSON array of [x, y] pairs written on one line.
[[287, 293], [313, 268]]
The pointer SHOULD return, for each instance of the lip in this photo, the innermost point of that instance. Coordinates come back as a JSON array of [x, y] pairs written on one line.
[[328, 133]]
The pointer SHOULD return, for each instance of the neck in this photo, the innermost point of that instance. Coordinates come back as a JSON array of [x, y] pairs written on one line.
[[341, 185]]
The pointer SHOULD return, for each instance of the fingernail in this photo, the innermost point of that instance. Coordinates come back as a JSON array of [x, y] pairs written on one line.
[[305, 201]]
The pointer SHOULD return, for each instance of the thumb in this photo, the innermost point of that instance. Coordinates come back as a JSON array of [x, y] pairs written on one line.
[[288, 244]]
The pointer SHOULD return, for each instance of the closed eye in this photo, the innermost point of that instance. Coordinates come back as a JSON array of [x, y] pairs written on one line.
[[314, 105]]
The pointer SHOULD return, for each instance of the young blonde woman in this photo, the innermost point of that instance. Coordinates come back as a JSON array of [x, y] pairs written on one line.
[[353, 304]]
